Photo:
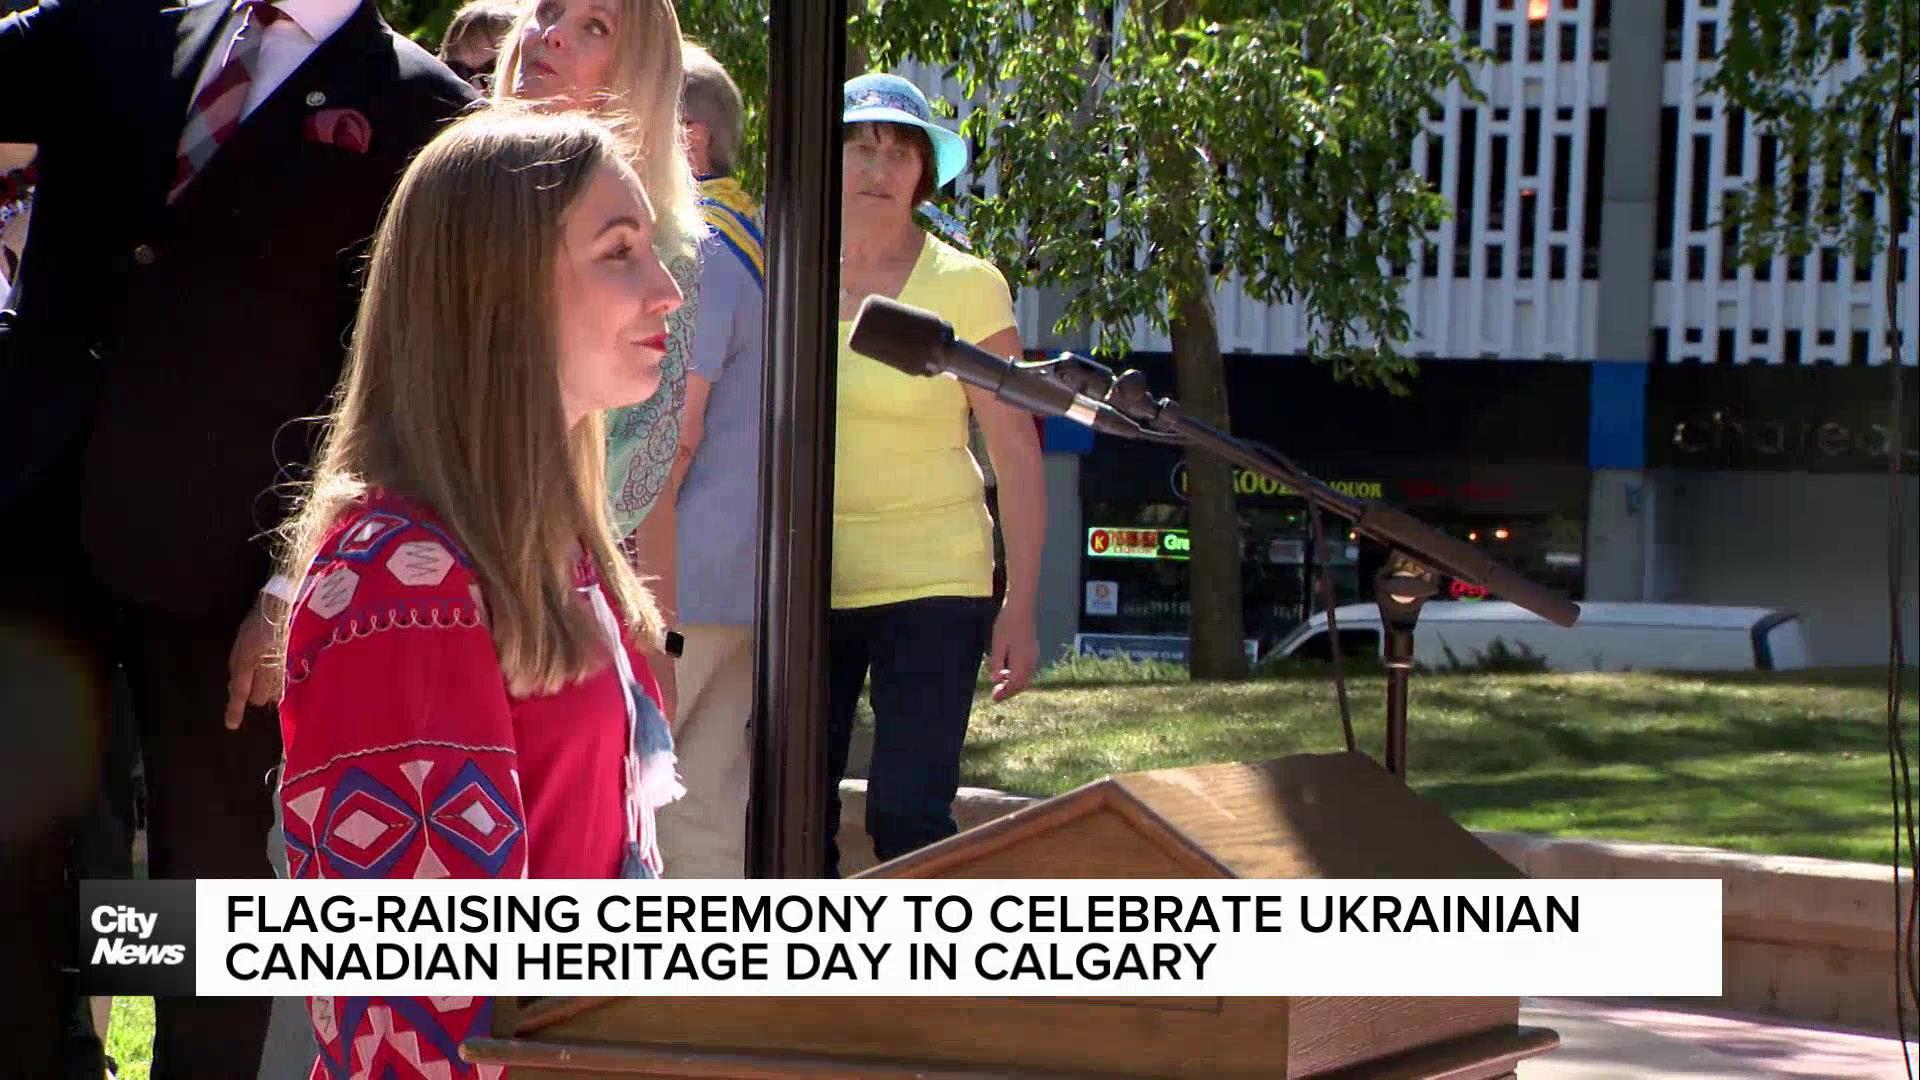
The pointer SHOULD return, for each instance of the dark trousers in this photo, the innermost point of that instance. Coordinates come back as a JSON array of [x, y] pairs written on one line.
[[209, 806], [924, 658], [54, 713], [62, 641]]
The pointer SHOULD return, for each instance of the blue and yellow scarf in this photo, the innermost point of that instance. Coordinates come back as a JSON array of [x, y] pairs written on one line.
[[733, 217]]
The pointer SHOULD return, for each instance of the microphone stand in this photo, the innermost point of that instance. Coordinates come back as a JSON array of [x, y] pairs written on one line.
[[1417, 553]]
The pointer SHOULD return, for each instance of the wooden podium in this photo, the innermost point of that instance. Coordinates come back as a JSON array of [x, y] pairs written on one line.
[[1308, 816]]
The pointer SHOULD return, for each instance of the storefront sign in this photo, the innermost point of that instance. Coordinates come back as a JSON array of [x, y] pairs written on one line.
[[1776, 418], [1732, 438], [1119, 543], [1249, 484]]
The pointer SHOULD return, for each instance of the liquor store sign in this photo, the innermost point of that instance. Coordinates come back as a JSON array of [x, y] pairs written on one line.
[[1135, 543], [1250, 484]]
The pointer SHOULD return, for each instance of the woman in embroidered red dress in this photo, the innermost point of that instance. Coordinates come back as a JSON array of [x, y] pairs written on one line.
[[455, 705]]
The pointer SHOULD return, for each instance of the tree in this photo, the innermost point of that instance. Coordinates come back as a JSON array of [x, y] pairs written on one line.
[[1150, 150], [1834, 84], [424, 21]]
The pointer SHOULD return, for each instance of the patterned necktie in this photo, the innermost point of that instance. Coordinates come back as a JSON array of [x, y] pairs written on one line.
[[216, 110]]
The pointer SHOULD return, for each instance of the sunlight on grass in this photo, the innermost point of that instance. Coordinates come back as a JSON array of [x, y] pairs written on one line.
[[130, 1038], [1789, 763]]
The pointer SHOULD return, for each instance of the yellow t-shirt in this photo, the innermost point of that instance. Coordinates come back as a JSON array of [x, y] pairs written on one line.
[[909, 512]]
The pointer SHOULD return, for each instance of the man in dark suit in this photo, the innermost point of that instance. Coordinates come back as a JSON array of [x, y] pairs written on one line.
[[209, 176]]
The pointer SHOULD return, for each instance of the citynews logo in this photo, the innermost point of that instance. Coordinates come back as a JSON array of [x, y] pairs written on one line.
[[119, 950], [136, 937]]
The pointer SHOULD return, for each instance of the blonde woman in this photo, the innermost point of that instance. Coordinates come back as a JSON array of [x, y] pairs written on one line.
[[464, 692], [623, 58]]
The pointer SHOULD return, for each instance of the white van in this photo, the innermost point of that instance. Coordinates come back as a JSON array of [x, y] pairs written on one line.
[[1609, 636]]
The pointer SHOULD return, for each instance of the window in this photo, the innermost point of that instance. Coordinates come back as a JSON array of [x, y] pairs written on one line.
[[1353, 643], [1697, 209], [1669, 181], [1497, 191], [1595, 185], [1562, 179], [1530, 142], [1529, 215]]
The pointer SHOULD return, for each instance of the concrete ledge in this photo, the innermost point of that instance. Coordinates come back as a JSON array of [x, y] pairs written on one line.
[[1810, 939]]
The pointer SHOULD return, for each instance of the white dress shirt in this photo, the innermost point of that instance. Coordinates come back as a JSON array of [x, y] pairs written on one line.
[[288, 43]]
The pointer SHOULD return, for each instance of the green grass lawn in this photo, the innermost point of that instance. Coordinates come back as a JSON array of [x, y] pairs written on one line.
[[130, 1038], [1788, 763]]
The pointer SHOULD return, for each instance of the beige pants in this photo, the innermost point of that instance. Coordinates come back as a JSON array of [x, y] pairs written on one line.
[[704, 833]]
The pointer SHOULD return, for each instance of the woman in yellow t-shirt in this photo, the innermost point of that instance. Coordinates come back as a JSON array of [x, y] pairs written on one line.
[[912, 542]]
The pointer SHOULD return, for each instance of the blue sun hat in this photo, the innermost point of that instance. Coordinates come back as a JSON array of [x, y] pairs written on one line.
[[879, 98]]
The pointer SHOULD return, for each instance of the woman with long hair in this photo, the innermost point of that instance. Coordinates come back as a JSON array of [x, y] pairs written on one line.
[[622, 59], [467, 694]]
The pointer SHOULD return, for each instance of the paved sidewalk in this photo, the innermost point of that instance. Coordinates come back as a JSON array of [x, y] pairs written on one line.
[[1600, 1039]]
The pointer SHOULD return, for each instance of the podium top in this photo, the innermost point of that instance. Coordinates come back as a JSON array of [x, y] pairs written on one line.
[[1306, 816]]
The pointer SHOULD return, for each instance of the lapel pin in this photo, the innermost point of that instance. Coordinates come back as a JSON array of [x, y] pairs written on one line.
[[316, 99]]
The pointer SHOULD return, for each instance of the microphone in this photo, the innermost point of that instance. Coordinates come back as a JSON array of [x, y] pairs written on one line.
[[917, 342]]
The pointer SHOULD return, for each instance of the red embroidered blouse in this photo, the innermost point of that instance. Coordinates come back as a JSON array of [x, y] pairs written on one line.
[[407, 757]]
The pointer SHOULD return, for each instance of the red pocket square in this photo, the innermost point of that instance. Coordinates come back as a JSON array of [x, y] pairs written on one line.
[[347, 129]]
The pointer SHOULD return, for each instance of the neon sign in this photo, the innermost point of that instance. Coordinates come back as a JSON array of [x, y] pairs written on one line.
[[1464, 590], [1128, 543]]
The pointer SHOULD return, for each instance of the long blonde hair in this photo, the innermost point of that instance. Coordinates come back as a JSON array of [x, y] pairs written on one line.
[[451, 392], [642, 97]]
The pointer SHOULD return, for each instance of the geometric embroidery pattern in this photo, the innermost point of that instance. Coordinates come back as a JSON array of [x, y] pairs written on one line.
[[365, 539], [367, 827], [428, 1025], [472, 815], [420, 562], [333, 592], [400, 762], [299, 859]]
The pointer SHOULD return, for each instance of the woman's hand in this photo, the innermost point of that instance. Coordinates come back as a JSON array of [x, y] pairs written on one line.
[[1015, 652], [254, 674]]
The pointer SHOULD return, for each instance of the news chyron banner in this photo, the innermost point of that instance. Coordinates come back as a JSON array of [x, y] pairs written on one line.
[[1199, 938]]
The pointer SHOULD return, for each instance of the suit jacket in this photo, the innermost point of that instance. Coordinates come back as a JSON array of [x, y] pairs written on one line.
[[172, 353]]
